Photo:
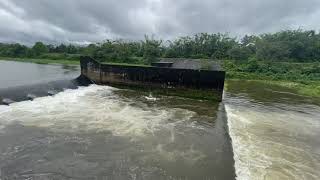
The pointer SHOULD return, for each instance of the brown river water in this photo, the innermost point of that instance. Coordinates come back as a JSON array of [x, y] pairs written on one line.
[[99, 132]]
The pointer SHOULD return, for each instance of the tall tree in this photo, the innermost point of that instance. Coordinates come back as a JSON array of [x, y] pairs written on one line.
[[40, 48]]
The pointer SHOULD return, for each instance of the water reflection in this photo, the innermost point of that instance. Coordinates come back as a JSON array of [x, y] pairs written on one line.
[[19, 73], [70, 69]]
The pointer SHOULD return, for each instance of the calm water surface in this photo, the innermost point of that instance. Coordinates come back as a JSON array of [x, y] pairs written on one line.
[[19, 74], [100, 132]]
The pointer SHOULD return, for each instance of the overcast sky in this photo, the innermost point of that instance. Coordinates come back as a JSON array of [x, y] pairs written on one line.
[[83, 21]]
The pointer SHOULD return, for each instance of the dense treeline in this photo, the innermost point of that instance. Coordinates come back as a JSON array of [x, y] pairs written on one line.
[[284, 46], [292, 55], [298, 72]]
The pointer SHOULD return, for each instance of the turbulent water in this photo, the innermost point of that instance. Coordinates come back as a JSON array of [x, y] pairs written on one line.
[[99, 132], [275, 133], [259, 132]]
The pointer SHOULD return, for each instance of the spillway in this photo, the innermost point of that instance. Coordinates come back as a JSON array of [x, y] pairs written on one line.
[[102, 132], [87, 131]]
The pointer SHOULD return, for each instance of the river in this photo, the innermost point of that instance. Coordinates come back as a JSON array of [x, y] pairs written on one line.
[[100, 132], [275, 132], [14, 74]]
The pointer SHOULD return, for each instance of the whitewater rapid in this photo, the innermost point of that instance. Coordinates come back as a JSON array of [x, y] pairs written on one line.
[[104, 132], [274, 141], [92, 108]]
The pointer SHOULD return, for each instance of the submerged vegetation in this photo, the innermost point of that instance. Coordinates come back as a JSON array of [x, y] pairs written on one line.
[[287, 56]]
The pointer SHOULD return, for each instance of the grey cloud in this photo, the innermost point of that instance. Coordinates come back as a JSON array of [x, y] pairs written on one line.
[[81, 21]]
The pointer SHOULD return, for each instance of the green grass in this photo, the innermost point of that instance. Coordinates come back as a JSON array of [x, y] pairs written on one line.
[[311, 89], [305, 87], [126, 64], [63, 61], [42, 61], [303, 78]]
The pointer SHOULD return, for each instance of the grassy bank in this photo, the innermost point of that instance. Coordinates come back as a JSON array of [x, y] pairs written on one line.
[[303, 78], [126, 64], [61, 61], [311, 89], [42, 61], [305, 87]]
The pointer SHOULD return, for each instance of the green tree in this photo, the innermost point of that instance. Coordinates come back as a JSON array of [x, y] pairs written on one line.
[[40, 48], [151, 49], [239, 53], [62, 48]]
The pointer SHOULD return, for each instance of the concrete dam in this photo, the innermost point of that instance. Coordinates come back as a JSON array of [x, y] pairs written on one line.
[[182, 77], [177, 77]]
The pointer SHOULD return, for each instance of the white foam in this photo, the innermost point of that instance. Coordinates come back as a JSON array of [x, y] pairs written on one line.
[[94, 108], [99, 109], [273, 145], [150, 98]]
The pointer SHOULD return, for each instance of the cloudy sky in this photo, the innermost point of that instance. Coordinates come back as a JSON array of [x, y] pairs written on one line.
[[83, 21]]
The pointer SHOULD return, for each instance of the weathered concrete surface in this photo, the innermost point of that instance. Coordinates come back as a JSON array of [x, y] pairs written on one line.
[[153, 76]]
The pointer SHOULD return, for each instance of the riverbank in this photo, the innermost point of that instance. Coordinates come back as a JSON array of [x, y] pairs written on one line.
[[312, 89], [60, 61], [42, 61], [305, 87], [301, 78]]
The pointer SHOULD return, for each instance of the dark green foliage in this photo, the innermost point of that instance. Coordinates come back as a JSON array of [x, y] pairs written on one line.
[[15, 50], [240, 52], [202, 45], [298, 72], [151, 49], [39, 48], [284, 46], [297, 45]]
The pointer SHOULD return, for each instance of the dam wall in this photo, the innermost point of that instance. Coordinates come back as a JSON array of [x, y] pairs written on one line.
[[154, 77]]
